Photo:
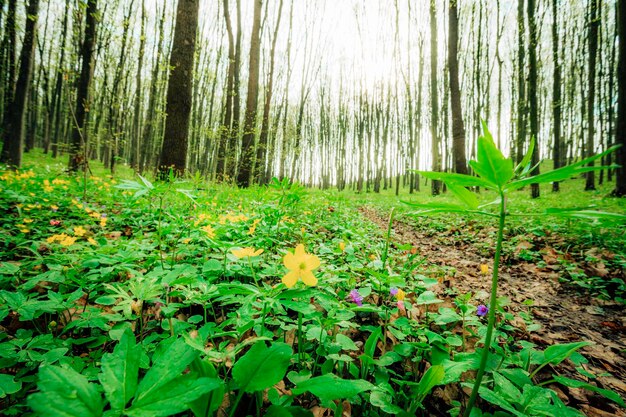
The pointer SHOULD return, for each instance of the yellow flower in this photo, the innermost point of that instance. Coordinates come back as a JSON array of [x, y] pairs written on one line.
[[54, 207], [484, 269], [209, 231], [27, 220], [400, 295], [80, 231], [186, 241], [92, 241], [342, 246], [246, 252], [301, 266], [68, 241], [24, 230], [103, 222]]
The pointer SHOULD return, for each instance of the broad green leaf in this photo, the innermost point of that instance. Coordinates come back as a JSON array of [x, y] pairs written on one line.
[[8, 385], [505, 387], [458, 179], [500, 401], [65, 393], [561, 173], [431, 378], [345, 342], [384, 401], [173, 397], [490, 164], [170, 360], [120, 371], [556, 354], [262, 367], [208, 403], [587, 214], [572, 383], [370, 343], [454, 370], [330, 387], [428, 297], [465, 195]]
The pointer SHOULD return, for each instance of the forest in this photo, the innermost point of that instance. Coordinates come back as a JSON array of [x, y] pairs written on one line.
[[291, 208]]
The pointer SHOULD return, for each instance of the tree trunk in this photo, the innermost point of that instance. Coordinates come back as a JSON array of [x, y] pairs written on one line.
[[10, 54], [249, 126], [556, 95], [13, 130], [521, 85], [532, 91], [78, 146], [620, 127], [178, 107], [136, 133], [263, 137], [592, 38], [434, 99], [458, 129]]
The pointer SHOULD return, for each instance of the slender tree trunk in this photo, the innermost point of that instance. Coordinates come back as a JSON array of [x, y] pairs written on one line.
[[458, 129], [136, 134], [9, 43], [78, 149], [179, 91], [521, 84], [263, 137], [434, 99], [532, 90], [249, 126], [13, 130], [620, 128], [592, 38], [556, 95]]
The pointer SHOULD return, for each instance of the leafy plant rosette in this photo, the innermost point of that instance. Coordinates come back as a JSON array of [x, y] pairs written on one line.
[[498, 174]]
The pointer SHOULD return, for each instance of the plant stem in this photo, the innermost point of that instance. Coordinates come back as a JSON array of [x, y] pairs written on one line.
[[236, 403], [388, 237], [299, 338], [492, 309]]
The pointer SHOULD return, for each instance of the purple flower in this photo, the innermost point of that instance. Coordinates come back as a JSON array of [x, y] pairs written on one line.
[[393, 291], [356, 297], [482, 310]]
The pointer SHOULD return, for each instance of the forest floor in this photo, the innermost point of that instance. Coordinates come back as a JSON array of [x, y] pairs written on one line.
[[565, 314]]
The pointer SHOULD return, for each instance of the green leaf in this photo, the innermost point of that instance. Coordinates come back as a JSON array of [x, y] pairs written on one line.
[[572, 383], [431, 378], [497, 399], [490, 164], [562, 173], [384, 401], [428, 297], [65, 393], [120, 370], [556, 354], [524, 166], [8, 385], [463, 194], [457, 179], [506, 388], [173, 397], [262, 367], [169, 361], [330, 387], [345, 342], [208, 403]]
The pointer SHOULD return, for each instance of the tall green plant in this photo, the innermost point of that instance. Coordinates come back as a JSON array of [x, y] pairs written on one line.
[[497, 173]]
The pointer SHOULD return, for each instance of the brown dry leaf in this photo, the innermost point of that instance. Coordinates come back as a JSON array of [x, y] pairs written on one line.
[[318, 411], [347, 409]]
